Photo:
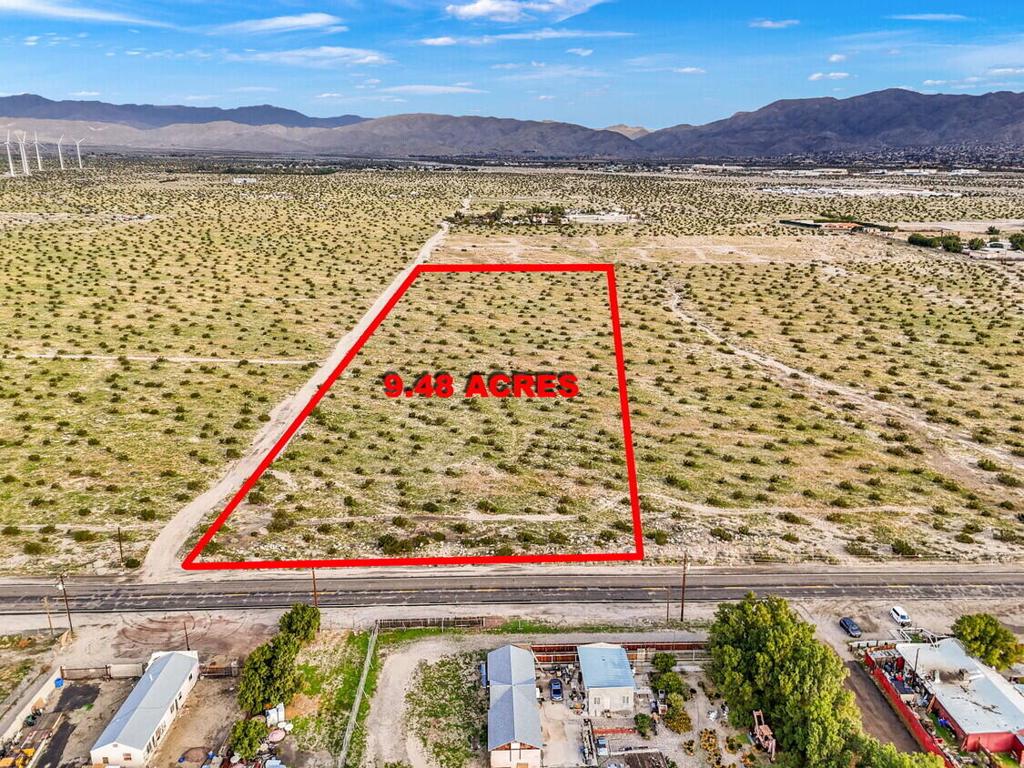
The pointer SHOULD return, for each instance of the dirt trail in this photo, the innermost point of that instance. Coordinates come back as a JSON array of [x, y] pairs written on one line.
[[163, 558], [949, 450]]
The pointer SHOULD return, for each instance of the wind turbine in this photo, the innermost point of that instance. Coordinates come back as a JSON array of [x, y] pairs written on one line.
[[39, 159], [10, 160], [78, 151], [24, 155], [60, 154]]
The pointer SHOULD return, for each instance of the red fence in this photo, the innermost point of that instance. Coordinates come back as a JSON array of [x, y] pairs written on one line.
[[924, 739]]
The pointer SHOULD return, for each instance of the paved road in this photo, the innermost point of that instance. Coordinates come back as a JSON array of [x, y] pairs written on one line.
[[95, 595]]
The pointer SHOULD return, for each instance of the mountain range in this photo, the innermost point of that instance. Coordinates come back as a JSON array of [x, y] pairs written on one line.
[[893, 119]]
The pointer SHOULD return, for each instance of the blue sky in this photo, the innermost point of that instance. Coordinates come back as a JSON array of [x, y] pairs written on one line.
[[654, 63]]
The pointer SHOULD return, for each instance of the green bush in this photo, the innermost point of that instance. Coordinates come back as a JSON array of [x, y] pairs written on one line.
[[246, 737], [644, 724]]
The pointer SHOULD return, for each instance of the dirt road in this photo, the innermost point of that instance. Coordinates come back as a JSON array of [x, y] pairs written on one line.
[[164, 557], [879, 719]]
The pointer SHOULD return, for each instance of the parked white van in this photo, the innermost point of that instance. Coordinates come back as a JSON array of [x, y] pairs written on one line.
[[900, 616]]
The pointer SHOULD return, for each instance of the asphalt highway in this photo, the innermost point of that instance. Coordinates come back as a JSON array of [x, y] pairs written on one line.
[[99, 595]]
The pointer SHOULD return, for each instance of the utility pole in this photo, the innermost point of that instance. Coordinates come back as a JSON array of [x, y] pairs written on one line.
[[668, 604], [67, 606], [316, 600], [184, 625], [682, 597], [49, 618], [120, 546]]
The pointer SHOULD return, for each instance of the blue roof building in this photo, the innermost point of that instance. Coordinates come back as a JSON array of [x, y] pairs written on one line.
[[513, 721], [607, 678]]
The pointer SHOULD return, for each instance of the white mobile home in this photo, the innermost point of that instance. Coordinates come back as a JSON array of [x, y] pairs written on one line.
[[131, 738]]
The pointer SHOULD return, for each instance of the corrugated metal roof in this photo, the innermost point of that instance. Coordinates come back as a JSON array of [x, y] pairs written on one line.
[[605, 666], [975, 695], [137, 719], [511, 665], [513, 714]]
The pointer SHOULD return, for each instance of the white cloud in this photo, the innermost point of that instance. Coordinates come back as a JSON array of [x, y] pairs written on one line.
[[58, 10], [85, 94], [32, 40], [829, 76], [835, 58], [535, 35], [545, 97], [774, 23], [662, 62], [1006, 71], [581, 51], [254, 89], [540, 71], [928, 17], [518, 10], [321, 57], [934, 82], [555, 34], [302, 21], [429, 90]]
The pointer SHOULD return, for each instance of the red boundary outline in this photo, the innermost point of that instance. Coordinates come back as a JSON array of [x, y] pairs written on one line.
[[190, 562]]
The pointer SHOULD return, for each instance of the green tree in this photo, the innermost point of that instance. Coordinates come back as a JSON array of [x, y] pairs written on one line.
[[987, 639], [257, 672], [976, 243], [873, 754], [246, 737], [992, 231], [302, 621], [1017, 241], [677, 718], [644, 724], [923, 240], [952, 244], [663, 662], [671, 682], [763, 656]]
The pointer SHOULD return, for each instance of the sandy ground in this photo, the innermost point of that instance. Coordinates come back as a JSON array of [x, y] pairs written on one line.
[[202, 726], [959, 459], [966, 225], [163, 557], [879, 718], [87, 706]]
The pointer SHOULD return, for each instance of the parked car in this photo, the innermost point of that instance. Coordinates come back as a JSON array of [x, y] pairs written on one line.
[[900, 616], [850, 626], [602, 746], [556, 689]]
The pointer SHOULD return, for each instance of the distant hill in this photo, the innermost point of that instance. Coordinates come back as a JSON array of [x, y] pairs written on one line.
[[444, 135], [892, 119], [158, 116], [629, 131]]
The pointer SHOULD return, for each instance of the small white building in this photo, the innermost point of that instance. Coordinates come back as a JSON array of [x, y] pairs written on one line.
[[131, 738], [607, 678], [514, 737]]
